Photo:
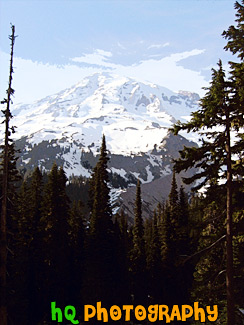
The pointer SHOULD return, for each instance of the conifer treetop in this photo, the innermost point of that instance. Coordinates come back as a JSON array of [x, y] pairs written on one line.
[[235, 35]]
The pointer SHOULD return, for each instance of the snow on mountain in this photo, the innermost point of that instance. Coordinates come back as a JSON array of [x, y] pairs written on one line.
[[67, 128], [134, 117]]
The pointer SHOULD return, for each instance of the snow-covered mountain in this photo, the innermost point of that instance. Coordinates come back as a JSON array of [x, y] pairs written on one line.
[[68, 127], [134, 117]]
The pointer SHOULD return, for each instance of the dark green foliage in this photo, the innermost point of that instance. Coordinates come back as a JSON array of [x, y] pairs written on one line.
[[196, 208], [235, 44], [183, 224], [34, 275], [219, 157], [153, 259], [173, 195], [12, 223], [18, 260], [77, 227], [235, 35], [174, 215], [166, 242], [209, 285], [210, 157], [55, 230], [101, 275], [24, 264], [13, 180], [220, 114], [175, 247], [60, 256], [117, 181], [138, 255], [101, 214], [170, 227], [78, 189], [122, 247], [77, 248], [138, 229]]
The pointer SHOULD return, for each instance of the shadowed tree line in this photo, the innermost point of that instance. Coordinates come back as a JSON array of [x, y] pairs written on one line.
[[58, 254]]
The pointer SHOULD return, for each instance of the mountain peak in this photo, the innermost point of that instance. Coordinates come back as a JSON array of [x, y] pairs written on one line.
[[134, 116]]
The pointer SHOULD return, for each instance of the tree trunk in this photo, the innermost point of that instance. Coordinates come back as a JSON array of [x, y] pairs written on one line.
[[229, 248], [3, 220]]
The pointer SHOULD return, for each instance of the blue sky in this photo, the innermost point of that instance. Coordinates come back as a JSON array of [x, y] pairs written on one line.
[[170, 42]]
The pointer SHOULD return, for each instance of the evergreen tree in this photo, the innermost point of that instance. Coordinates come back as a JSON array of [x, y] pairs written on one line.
[[148, 229], [55, 229], [122, 246], [35, 275], [168, 257], [18, 305], [170, 245], [174, 214], [36, 189], [101, 214], [173, 195], [184, 229], [209, 276], [154, 264], [185, 267], [235, 35], [196, 208], [5, 192], [166, 243], [24, 263], [138, 256], [77, 245], [159, 212], [175, 247], [138, 229], [215, 119], [100, 275]]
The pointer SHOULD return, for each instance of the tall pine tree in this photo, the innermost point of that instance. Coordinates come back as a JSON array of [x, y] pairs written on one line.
[[55, 230], [215, 119], [35, 275], [5, 192], [100, 274], [138, 256]]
